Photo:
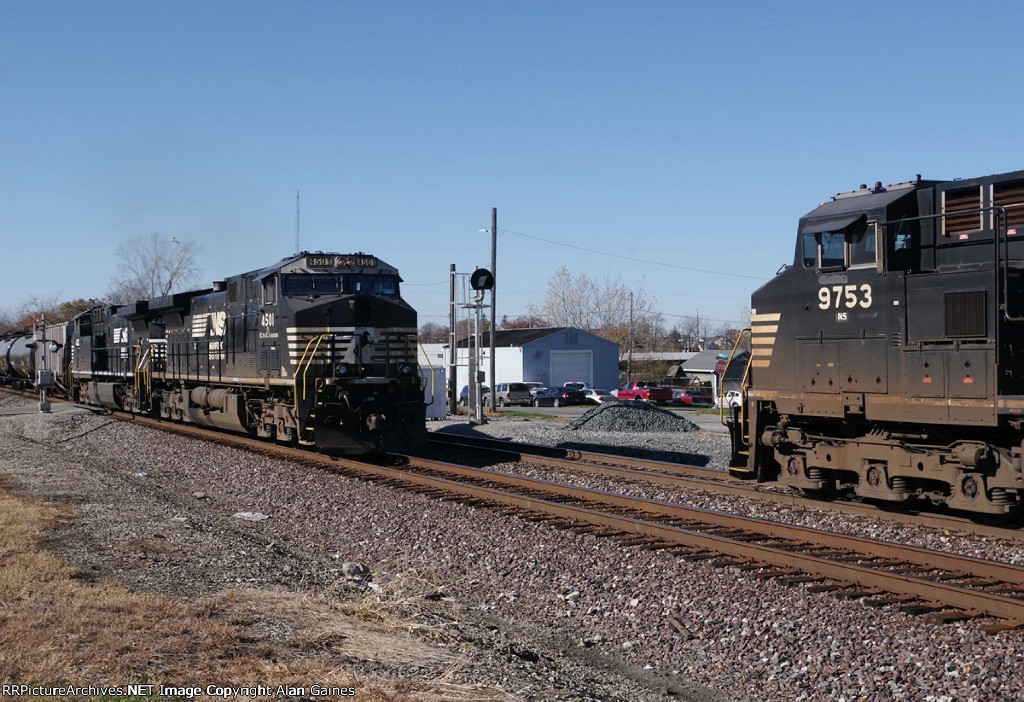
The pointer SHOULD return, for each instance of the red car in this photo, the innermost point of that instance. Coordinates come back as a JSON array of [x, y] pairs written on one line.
[[692, 398]]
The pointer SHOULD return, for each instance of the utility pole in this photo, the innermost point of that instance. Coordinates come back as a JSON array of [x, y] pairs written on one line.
[[494, 274], [453, 398], [629, 358], [297, 249]]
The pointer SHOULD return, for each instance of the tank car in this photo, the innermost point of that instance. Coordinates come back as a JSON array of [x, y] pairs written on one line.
[[23, 355], [318, 350], [888, 359]]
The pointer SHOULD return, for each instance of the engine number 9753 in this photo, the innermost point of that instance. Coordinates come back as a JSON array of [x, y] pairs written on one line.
[[848, 296]]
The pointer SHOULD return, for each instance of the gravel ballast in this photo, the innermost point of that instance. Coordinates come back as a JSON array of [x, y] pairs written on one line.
[[543, 614]]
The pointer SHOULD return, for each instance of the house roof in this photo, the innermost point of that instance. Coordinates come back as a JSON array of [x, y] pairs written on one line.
[[705, 361], [522, 337], [670, 356]]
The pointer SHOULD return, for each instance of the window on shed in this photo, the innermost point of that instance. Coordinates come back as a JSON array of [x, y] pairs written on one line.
[[962, 209]]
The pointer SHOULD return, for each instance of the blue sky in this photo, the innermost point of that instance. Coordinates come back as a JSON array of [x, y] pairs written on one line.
[[689, 135]]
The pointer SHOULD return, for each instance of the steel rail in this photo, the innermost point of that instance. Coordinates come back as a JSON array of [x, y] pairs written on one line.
[[672, 510], [711, 479], [898, 582], [692, 527]]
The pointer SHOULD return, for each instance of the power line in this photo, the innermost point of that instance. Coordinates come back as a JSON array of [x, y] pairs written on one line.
[[632, 258]]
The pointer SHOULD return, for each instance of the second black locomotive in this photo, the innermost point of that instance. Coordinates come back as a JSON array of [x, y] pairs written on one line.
[[318, 350]]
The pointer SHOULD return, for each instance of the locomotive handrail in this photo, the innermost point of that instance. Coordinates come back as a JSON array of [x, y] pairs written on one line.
[[743, 380], [999, 236], [307, 359], [1006, 265], [141, 372]]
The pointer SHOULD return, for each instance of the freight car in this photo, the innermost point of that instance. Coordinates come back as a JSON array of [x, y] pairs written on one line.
[[318, 350], [888, 359]]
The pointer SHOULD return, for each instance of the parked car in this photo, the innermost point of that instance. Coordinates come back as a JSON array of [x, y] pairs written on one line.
[[644, 390], [485, 394], [691, 398], [558, 397], [577, 385], [731, 398], [598, 396], [533, 386], [512, 394]]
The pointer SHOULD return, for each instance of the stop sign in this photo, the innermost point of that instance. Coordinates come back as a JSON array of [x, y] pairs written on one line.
[[721, 365]]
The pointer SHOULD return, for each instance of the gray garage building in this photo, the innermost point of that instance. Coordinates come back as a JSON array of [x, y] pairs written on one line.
[[548, 355]]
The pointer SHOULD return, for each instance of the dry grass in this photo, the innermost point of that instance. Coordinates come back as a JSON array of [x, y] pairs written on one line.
[[55, 627]]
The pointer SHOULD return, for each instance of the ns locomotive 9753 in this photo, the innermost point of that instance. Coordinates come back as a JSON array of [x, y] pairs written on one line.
[[888, 359], [318, 350]]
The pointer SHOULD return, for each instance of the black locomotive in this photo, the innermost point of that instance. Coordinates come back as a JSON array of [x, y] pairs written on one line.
[[319, 350], [888, 359]]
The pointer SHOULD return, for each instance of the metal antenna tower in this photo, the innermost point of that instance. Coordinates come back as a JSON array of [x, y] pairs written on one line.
[[297, 249]]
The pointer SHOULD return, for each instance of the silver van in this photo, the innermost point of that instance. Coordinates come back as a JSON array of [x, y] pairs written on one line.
[[512, 394]]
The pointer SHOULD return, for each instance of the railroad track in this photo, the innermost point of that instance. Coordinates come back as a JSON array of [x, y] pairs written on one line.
[[712, 480], [945, 586], [919, 580]]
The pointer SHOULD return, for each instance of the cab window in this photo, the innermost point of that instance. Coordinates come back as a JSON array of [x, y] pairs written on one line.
[[904, 247], [270, 290], [833, 249], [810, 249], [852, 247], [862, 245], [371, 285], [316, 284]]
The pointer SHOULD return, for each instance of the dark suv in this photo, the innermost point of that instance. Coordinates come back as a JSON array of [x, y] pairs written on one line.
[[485, 393]]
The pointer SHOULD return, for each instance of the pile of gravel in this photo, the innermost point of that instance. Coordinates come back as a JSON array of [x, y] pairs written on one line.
[[621, 428], [631, 417]]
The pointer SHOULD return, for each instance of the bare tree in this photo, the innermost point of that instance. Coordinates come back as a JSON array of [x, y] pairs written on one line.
[[152, 266], [32, 310], [695, 332], [528, 321], [433, 333], [601, 308]]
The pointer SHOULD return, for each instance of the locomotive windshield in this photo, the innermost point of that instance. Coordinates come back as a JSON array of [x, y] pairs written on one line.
[[331, 284], [849, 247], [371, 284], [311, 284]]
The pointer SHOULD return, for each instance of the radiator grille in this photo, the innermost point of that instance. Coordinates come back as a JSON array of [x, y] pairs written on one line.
[[1011, 196], [965, 313], [964, 199]]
